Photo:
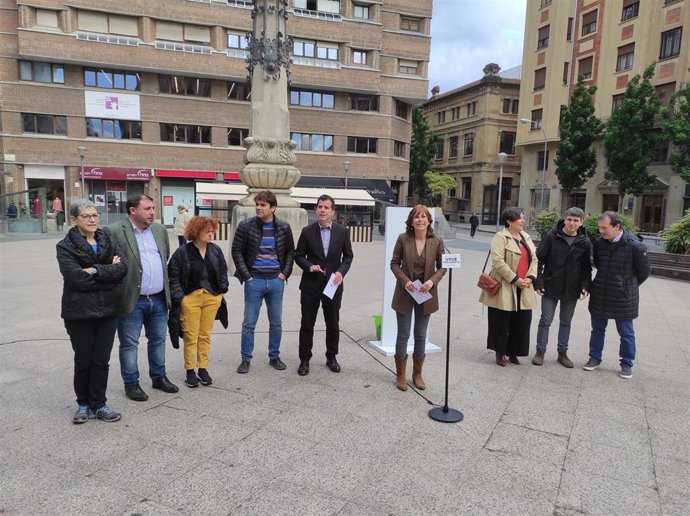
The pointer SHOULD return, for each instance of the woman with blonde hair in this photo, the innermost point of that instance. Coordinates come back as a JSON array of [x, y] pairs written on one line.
[[198, 276], [183, 218], [416, 256]]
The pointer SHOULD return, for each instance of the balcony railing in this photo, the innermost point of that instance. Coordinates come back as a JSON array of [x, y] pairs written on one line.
[[183, 47], [316, 14], [237, 52], [113, 39], [246, 4], [312, 61]]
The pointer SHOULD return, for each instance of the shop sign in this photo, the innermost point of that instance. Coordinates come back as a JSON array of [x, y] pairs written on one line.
[[120, 106], [167, 200], [117, 174]]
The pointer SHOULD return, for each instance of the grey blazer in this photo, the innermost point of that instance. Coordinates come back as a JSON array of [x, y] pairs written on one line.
[[130, 288]]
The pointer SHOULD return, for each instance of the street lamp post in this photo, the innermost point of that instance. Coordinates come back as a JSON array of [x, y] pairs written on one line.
[[540, 125], [501, 159], [82, 154], [346, 167]]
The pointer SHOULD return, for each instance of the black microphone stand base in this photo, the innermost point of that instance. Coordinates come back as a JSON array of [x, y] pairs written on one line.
[[446, 415]]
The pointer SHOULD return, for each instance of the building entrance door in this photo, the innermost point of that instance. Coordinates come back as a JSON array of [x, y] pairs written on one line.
[[652, 209]]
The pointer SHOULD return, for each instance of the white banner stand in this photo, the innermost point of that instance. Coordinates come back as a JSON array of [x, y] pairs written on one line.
[[395, 224]]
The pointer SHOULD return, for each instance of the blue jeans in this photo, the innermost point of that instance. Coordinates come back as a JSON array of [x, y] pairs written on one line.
[[548, 310], [255, 292], [627, 335], [152, 314]]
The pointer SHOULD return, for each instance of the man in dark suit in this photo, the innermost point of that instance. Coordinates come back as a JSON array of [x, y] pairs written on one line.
[[324, 248]]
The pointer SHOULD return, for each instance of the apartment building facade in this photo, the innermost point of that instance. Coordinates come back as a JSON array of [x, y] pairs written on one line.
[[113, 97], [474, 123], [607, 42]]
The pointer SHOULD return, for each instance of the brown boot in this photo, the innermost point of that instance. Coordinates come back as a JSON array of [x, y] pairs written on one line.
[[400, 371], [564, 360], [417, 364], [538, 358]]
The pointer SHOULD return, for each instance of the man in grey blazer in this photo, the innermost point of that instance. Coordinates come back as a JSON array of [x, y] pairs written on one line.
[[145, 296]]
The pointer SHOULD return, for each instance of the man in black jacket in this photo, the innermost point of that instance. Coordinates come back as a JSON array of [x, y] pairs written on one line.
[[622, 266], [264, 252], [564, 275], [323, 249]]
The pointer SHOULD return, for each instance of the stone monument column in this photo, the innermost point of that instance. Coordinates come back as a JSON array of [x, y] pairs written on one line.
[[270, 157]]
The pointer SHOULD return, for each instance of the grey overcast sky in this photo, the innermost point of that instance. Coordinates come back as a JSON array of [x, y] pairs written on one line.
[[468, 34]]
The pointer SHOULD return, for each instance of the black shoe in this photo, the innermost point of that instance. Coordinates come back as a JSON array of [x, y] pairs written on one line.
[[244, 367], [513, 360], [191, 381], [163, 384], [277, 363], [134, 392], [303, 369], [204, 377], [333, 365]]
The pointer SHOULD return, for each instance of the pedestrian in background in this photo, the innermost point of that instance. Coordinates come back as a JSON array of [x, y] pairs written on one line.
[[417, 255], [91, 266], [59, 212], [474, 223], [183, 218], [198, 276], [514, 264]]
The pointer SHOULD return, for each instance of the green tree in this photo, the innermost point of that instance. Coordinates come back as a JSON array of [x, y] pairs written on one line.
[[629, 138], [438, 185], [675, 122], [576, 158], [422, 151]]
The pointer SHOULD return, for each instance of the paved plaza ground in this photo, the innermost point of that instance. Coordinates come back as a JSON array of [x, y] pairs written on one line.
[[534, 441]]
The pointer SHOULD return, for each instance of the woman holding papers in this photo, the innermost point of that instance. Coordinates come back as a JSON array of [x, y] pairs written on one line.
[[416, 264], [514, 264]]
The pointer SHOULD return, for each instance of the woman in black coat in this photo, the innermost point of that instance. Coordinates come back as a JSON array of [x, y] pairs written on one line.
[[198, 275], [91, 267]]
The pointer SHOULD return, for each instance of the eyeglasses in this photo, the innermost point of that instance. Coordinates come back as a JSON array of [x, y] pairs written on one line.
[[89, 216]]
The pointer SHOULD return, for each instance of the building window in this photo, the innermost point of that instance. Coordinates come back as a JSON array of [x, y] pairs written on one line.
[[543, 37], [236, 40], [361, 145], [364, 102], [111, 79], [46, 18], [584, 67], [407, 67], [182, 133], [313, 142], [187, 33], [541, 163], [315, 49], [536, 119], [625, 57], [506, 106], [328, 6], [115, 129], [617, 101], [178, 85], [440, 117], [239, 90], [455, 113], [309, 98], [544, 3], [44, 124], [236, 136], [402, 110], [589, 23], [410, 24], [669, 2], [104, 23], [569, 32], [453, 147], [631, 8], [515, 107], [41, 72], [507, 142], [468, 148], [665, 92], [472, 108], [398, 149], [440, 150], [466, 192], [670, 43], [359, 57], [361, 12], [660, 155], [540, 78]]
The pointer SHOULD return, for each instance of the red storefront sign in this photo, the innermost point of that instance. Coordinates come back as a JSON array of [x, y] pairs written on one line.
[[167, 200], [196, 174], [117, 174]]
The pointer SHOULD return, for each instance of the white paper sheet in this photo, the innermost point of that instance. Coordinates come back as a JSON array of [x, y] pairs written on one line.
[[331, 287], [418, 296]]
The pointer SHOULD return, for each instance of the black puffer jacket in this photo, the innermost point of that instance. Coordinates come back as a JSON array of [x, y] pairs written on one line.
[[621, 268], [247, 240], [564, 270], [178, 271], [84, 295]]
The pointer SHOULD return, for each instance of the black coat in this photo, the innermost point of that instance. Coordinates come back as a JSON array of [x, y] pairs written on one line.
[[84, 295], [310, 252], [247, 240], [564, 271], [621, 268]]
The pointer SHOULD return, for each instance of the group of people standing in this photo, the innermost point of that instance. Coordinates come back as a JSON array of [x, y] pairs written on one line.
[[560, 271]]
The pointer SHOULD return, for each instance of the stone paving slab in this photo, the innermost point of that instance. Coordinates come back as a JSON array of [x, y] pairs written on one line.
[[535, 440]]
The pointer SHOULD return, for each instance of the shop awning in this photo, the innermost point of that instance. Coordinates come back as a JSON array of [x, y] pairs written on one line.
[[377, 188], [235, 191], [221, 191]]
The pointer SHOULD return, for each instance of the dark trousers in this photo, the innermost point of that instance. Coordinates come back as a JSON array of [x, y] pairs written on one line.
[[92, 342], [509, 332], [181, 240], [473, 230], [331, 314]]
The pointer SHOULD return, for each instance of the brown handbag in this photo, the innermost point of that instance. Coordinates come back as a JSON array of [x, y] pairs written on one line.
[[487, 283]]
